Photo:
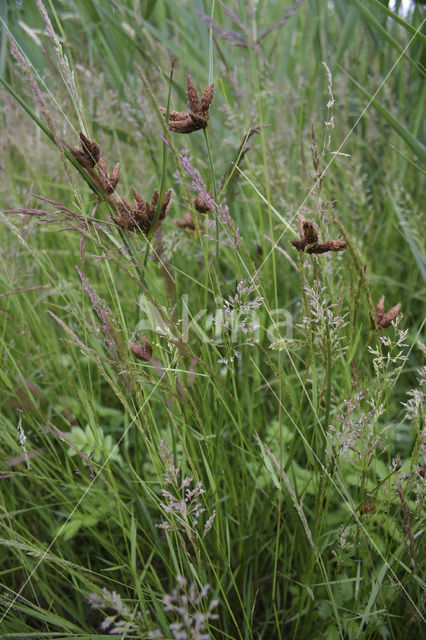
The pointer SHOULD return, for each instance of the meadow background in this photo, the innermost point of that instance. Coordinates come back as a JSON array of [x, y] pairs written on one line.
[[258, 473]]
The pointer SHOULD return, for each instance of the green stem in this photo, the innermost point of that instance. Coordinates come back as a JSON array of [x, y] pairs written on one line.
[[213, 181], [163, 176]]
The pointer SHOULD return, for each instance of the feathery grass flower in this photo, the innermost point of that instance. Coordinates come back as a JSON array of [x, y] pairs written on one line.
[[191, 610]]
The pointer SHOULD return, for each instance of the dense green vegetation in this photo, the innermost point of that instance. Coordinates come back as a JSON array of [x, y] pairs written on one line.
[[206, 432]]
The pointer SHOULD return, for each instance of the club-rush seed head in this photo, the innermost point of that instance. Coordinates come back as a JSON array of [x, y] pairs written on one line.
[[109, 181], [186, 223], [140, 215], [198, 115], [309, 239], [384, 320], [142, 351], [201, 205], [88, 153]]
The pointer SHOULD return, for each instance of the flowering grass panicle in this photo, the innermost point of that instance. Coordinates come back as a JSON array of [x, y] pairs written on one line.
[[191, 611], [104, 314], [326, 322], [123, 620], [356, 439], [182, 501], [238, 316], [23, 440]]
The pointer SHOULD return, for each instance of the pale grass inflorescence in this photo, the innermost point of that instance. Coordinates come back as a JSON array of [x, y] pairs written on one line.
[[182, 499]]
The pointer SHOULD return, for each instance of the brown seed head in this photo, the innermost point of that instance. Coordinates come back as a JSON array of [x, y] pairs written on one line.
[[109, 181], [196, 119], [309, 239], [141, 351], [324, 247], [206, 100], [88, 153], [193, 100], [141, 214], [201, 205], [307, 231], [187, 223], [384, 320]]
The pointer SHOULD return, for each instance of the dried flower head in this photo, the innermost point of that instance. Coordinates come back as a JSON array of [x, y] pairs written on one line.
[[142, 351], [201, 205], [309, 239], [187, 223], [368, 506], [140, 215], [383, 319], [198, 115], [88, 153], [109, 181]]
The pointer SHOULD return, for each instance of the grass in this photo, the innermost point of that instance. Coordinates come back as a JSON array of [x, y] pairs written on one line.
[[271, 445]]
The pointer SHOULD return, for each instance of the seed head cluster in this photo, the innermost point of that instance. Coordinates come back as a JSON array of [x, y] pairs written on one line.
[[130, 216], [198, 115], [309, 239], [139, 215], [384, 320]]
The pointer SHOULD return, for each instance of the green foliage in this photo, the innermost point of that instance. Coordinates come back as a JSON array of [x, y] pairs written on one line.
[[272, 445]]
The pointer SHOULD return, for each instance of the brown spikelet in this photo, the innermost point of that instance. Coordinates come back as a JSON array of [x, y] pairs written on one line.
[[185, 124], [81, 157], [154, 202], [142, 351], [187, 223], [88, 153], [309, 239], [114, 177], [140, 215], [324, 247], [384, 320], [125, 217], [167, 203], [390, 316], [380, 310], [198, 115], [207, 97], [109, 181], [298, 244], [137, 196], [307, 231], [193, 100], [201, 205]]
